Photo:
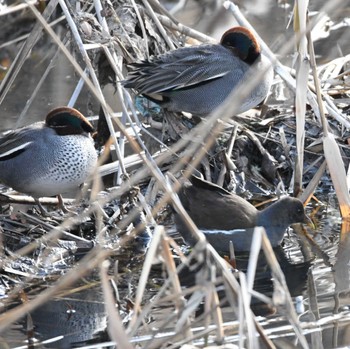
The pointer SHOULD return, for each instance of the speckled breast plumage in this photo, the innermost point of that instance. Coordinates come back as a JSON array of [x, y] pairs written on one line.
[[50, 164]]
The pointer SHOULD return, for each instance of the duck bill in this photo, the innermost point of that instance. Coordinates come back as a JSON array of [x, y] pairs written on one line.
[[307, 220]]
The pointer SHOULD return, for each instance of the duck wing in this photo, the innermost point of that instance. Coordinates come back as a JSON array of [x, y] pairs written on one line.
[[217, 209], [181, 69], [16, 142]]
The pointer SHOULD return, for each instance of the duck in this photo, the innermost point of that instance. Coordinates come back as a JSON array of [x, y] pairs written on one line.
[[223, 216], [197, 79], [49, 158]]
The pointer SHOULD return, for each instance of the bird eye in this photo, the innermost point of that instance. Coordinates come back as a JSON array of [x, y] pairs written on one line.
[[299, 210]]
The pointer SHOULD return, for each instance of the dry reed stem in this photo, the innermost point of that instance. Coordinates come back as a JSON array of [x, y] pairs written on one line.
[[281, 289], [115, 324], [193, 151], [283, 71], [331, 150], [300, 28], [15, 8], [153, 168], [306, 195], [158, 24], [88, 263], [36, 89], [23, 52]]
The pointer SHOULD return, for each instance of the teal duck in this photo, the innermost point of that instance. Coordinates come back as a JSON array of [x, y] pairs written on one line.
[[48, 158], [197, 79]]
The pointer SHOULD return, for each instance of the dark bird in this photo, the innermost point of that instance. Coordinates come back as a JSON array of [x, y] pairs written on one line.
[[224, 217]]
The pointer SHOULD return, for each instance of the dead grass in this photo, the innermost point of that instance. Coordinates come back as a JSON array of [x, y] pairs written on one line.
[[90, 35]]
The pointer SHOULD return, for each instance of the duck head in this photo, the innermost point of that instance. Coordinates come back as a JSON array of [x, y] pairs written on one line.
[[243, 43], [68, 121]]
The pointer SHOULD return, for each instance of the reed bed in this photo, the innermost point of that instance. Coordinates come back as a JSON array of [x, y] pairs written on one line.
[[102, 34]]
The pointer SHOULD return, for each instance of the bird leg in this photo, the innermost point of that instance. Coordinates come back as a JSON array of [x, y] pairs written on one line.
[[62, 206], [43, 211]]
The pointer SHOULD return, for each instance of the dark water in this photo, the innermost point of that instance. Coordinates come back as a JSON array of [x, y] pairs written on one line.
[[81, 317], [318, 277], [78, 317]]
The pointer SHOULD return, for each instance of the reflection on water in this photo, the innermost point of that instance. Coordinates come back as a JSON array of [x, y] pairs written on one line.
[[311, 283], [77, 318], [64, 322], [317, 278]]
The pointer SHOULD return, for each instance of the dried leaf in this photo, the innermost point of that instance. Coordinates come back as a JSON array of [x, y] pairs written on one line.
[[336, 168]]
